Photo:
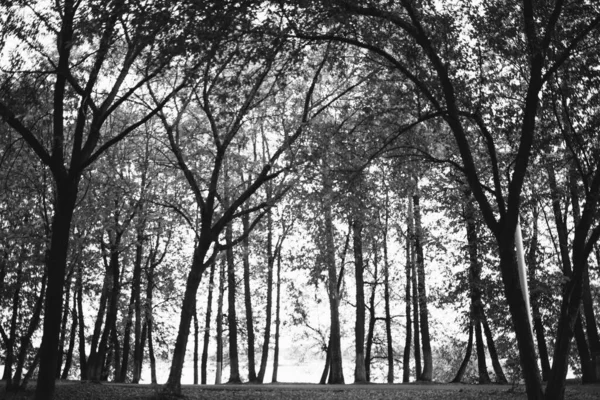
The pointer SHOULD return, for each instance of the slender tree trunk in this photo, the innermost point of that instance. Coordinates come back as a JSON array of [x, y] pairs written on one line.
[[204, 362], [12, 332], [327, 367], [220, 323], [465, 362], [372, 319], [407, 302], [415, 296], [248, 300], [277, 320], [83, 368], [26, 339], [72, 338], [535, 298], [475, 285], [270, 263], [336, 375], [427, 373], [64, 320], [196, 333], [500, 377], [117, 351], [386, 297], [362, 364], [234, 366]]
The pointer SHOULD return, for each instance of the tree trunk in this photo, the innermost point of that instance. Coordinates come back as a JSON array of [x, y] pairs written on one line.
[[463, 365], [372, 319], [196, 332], [72, 337], [248, 299], [270, 263], [500, 377], [234, 366], [361, 363], [277, 320], [12, 332], [427, 373], [56, 261], [173, 384], [220, 323], [336, 375], [83, 368], [386, 298], [117, 351], [26, 339], [476, 314], [415, 296], [327, 367], [407, 302], [204, 362], [64, 320], [535, 298]]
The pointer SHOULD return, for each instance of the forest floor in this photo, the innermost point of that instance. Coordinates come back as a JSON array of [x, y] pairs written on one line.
[[75, 390]]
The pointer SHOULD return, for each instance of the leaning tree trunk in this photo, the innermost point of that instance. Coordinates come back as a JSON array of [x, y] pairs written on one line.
[[465, 362], [196, 333], [72, 337], [500, 377], [427, 373], [64, 320]]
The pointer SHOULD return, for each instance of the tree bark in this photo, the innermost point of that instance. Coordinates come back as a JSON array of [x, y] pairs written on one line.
[[234, 363], [361, 363], [415, 297], [204, 362], [277, 320], [270, 263], [427, 373], [196, 332], [336, 374], [248, 300], [465, 362], [386, 297], [407, 302], [220, 322]]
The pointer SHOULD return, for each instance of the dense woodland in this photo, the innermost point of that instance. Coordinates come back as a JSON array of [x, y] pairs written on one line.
[[203, 182]]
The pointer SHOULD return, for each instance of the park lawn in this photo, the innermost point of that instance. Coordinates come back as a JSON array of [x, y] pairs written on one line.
[[75, 390]]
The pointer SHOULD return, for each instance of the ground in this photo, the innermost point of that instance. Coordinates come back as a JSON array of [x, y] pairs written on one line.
[[74, 390]]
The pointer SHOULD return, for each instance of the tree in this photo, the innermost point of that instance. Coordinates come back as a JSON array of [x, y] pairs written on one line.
[[118, 34]]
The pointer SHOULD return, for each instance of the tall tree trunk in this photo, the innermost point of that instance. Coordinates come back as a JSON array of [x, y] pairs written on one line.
[[427, 373], [83, 368], [386, 298], [72, 337], [277, 320], [475, 285], [407, 302], [64, 320], [56, 262], [500, 377], [415, 296], [234, 363], [196, 333], [248, 299], [270, 263], [465, 362], [336, 375], [535, 298], [173, 384], [372, 319], [220, 322], [361, 363], [12, 332], [204, 362], [26, 339], [117, 351]]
